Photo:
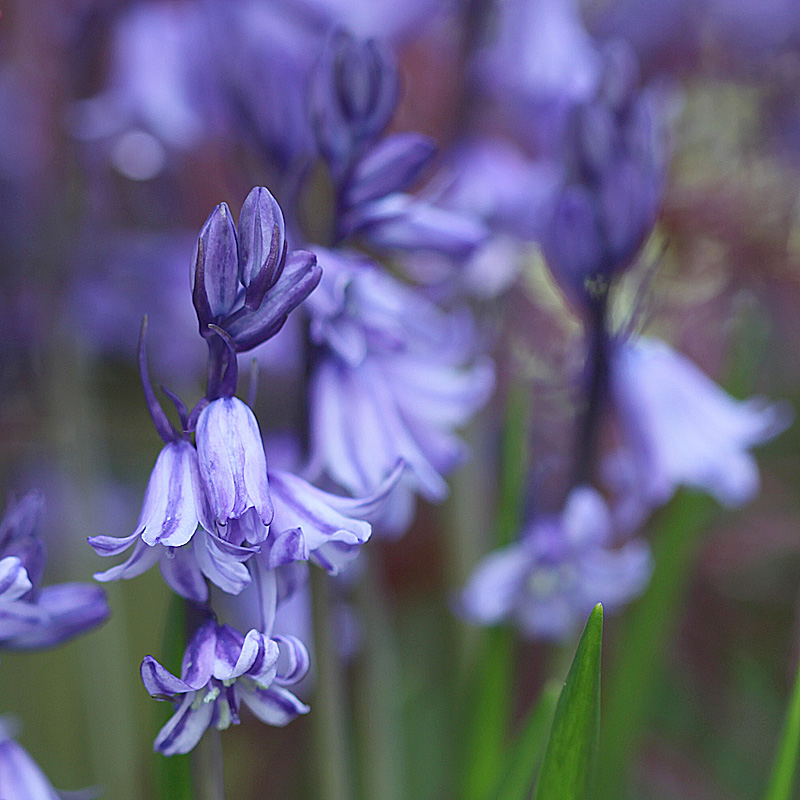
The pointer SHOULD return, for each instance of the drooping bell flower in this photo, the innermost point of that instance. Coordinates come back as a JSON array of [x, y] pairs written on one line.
[[176, 527], [560, 568], [681, 429], [221, 670], [21, 778]]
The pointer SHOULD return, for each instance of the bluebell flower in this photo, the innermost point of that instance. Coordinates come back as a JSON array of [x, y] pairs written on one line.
[[563, 564], [176, 527], [393, 381], [21, 778], [33, 616], [162, 96], [221, 670], [541, 63], [681, 429], [232, 460]]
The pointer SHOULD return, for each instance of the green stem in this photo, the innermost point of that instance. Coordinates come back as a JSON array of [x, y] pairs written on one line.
[[377, 695], [491, 689], [785, 766], [329, 716], [207, 767]]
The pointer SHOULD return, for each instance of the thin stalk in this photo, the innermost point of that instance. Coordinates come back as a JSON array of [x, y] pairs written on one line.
[[208, 768], [492, 684], [329, 719], [597, 388], [377, 693]]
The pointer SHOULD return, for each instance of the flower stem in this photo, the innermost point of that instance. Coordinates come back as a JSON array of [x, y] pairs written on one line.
[[329, 715], [377, 692], [207, 767]]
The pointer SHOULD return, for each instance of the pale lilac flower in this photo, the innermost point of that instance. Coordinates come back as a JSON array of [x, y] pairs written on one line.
[[393, 382], [548, 581], [681, 429], [232, 460], [20, 776], [222, 669]]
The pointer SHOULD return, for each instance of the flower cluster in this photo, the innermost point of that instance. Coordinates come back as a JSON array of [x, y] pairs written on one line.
[[674, 427], [212, 510]]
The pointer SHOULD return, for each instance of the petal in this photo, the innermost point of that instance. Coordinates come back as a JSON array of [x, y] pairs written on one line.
[[139, 561], [20, 776], [159, 681], [299, 278], [391, 165], [295, 655], [275, 706], [197, 665], [169, 513], [493, 589], [220, 568], [298, 504], [112, 545], [232, 460], [70, 609], [14, 581], [185, 727], [182, 573], [262, 244]]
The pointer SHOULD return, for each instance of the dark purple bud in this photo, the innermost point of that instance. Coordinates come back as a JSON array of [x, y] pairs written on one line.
[[262, 245], [21, 519], [299, 278], [572, 243], [620, 74], [215, 277], [392, 165], [353, 96]]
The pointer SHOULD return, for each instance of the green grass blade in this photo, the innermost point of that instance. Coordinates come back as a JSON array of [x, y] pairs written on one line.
[[645, 635], [785, 766], [491, 685], [526, 752], [569, 761], [173, 774]]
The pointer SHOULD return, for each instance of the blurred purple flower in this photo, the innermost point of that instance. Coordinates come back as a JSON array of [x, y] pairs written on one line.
[[222, 669], [32, 616], [20, 776], [541, 64], [681, 428], [548, 581], [391, 384], [615, 160]]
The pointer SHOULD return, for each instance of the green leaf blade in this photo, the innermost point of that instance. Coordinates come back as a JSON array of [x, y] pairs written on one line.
[[526, 752], [569, 761], [785, 766]]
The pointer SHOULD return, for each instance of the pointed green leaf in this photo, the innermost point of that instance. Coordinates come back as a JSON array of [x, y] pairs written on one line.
[[785, 766], [568, 765], [526, 752]]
